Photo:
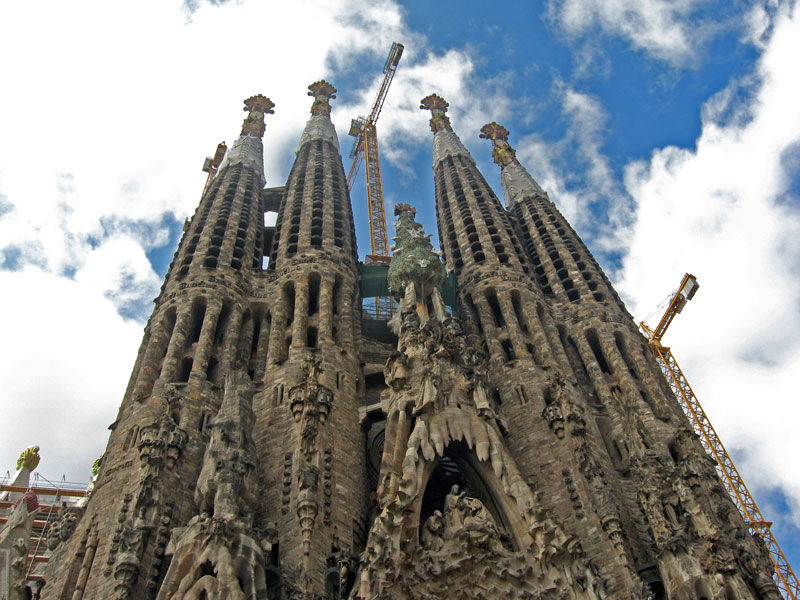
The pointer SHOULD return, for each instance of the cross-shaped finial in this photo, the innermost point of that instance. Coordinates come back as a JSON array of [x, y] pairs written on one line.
[[438, 107], [257, 106], [323, 92], [502, 153]]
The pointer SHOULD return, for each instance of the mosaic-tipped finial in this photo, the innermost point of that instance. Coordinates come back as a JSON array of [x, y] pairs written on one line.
[[323, 92], [438, 107], [29, 458], [502, 153], [257, 106]]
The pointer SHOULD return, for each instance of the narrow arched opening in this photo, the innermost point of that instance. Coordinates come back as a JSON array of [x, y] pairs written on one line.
[[475, 481]]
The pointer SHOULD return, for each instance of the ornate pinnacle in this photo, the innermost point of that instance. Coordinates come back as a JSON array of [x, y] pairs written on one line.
[[438, 107], [503, 154], [29, 458], [257, 106], [323, 92]]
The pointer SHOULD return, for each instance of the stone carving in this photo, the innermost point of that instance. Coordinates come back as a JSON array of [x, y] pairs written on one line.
[[310, 403], [62, 529], [323, 92], [214, 559], [438, 405], [161, 444], [438, 107], [217, 556], [257, 106], [307, 505], [14, 538], [502, 153], [226, 483]]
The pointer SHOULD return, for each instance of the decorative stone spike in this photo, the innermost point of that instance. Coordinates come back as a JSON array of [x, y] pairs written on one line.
[[502, 153], [438, 107], [257, 106], [323, 92]]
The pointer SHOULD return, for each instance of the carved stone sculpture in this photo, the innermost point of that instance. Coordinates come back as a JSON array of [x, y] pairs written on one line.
[[14, 537]]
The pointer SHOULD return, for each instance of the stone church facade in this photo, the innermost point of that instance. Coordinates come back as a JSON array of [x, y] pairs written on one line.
[[517, 440]]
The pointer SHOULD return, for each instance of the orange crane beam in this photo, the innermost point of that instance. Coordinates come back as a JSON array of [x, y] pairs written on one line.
[[784, 575], [365, 148]]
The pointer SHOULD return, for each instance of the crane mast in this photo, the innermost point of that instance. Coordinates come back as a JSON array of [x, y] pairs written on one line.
[[365, 148], [731, 479]]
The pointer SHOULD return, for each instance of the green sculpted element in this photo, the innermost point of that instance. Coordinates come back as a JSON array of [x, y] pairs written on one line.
[[323, 92], [414, 261], [29, 458], [257, 106], [502, 153], [438, 107], [96, 465]]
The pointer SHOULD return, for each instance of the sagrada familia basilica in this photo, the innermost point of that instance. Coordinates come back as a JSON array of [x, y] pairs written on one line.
[[506, 434]]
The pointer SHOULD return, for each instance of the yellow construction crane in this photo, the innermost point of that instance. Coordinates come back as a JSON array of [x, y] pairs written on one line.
[[210, 165], [365, 148], [784, 576]]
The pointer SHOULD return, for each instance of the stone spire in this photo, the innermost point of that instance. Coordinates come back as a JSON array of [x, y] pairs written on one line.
[[248, 150], [319, 126], [517, 182], [445, 141]]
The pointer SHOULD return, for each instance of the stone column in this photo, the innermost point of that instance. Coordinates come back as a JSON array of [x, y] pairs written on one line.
[[326, 309], [514, 332], [229, 342], [151, 364], [300, 321], [539, 335], [246, 341], [177, 345], [599, 383], [205, 343], [489, 328], [262, 348]]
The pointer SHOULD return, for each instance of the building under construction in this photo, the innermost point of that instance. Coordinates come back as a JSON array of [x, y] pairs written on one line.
[[508, 433]]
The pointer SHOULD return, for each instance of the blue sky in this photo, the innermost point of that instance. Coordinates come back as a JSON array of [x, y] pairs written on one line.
[[665, 130]]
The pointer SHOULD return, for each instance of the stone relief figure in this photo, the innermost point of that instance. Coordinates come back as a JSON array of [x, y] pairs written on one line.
[[310, 403], [62, 529], [453, 513], [555, 420], [433, 532]]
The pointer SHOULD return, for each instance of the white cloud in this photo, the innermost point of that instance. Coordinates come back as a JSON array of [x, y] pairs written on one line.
[[724, 211], [574, 170], [113, 108], [64, 364], [662, 28]]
